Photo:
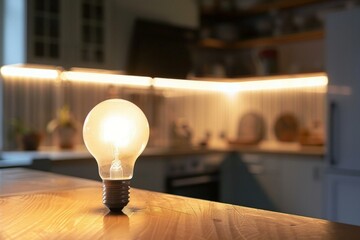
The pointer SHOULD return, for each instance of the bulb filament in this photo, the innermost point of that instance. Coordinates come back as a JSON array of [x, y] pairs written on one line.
[[116, 169]]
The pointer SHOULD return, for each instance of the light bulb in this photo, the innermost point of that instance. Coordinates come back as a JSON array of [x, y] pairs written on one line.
[[116, 132]]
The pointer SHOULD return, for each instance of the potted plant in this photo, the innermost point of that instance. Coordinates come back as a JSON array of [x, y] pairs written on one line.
[[29, 139], [64, 127]]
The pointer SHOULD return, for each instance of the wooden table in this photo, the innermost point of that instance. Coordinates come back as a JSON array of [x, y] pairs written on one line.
[[40, 205]]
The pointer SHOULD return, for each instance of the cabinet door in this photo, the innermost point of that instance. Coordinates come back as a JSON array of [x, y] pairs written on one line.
[[302, 178], [343, 198], [44, 32], [69, 33], [90, 35], [266, 170], [342, 60], [251, 180], [150, 174], [284, 183]]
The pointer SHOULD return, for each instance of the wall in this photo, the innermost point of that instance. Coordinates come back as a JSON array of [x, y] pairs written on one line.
[[35, 102], [220, 113]]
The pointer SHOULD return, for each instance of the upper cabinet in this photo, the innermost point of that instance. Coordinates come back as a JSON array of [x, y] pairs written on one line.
[[67, 33], [262, 37], [44, 31]]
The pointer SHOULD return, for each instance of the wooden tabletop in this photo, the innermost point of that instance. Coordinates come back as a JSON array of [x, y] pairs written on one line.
[[70, 208]]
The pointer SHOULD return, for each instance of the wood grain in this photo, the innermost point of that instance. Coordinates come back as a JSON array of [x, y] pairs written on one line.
[[22, 181], [79, 214]]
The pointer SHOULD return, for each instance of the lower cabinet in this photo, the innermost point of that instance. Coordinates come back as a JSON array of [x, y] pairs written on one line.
[[285, 183], [343, 197], [251, 180], [150, 174], [302, 185]]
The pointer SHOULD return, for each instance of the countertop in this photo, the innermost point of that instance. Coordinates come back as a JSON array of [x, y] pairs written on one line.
[[40, 205], [25, 158]]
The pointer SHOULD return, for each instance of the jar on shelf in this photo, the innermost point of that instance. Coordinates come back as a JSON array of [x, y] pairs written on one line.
[[266, 61]]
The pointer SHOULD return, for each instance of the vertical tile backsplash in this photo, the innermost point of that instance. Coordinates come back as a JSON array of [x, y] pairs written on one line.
[[218, 112], [36, 102], [307, 105], [31, 102]]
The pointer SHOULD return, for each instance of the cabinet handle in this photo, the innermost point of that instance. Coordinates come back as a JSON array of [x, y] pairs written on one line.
[[332, 114]]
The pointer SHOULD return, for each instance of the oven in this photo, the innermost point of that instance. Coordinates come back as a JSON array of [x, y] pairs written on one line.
[[195, 176]]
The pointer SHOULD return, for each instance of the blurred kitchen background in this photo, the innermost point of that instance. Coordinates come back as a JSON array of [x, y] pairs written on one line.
[[258, 68]]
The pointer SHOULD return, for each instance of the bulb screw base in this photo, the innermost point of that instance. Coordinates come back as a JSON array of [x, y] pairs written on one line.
[[116, 194]]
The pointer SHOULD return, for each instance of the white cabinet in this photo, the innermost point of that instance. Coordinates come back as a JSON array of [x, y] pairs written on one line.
[[343, 198], [68, 33], [302, 185], [251, 180], [284, 183]]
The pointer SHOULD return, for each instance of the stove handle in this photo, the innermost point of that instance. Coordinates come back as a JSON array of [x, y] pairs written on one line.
[[189, 181]]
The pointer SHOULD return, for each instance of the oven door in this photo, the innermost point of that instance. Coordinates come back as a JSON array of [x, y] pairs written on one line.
[[202, 186]]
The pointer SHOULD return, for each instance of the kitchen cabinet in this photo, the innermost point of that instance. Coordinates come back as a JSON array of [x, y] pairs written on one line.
[[63, 33], [83, 167], [150, 174], [302, 185], [68, 33], [251, 180], [343, 198], [285, 183]]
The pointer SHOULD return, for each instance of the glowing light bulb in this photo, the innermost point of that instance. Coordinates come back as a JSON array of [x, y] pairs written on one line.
[[116, 132]]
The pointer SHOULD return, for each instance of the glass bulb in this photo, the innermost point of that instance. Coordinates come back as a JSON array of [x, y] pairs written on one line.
[[116, 132]]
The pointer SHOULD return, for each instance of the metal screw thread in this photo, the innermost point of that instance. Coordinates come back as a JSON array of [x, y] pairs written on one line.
[[116, 194]]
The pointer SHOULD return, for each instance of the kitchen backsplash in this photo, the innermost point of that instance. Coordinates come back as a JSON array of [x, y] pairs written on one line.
[[35, 102], [220, 113]]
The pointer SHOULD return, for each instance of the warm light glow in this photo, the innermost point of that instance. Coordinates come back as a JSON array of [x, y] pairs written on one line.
[[126, 80], [285, 83], [194, 85], [23, 71], [249, 84], [116, 132], [204, 84], [115, 126]]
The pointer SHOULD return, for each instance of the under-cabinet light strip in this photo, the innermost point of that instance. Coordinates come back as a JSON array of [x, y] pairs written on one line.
[[253, 85], [125, 80], [168, 83], [285, 83], [20, 71], [237, 85]]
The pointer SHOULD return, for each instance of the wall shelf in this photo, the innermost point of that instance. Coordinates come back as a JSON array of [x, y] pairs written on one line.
[[257, 9], [283, 39], [263, 42]]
